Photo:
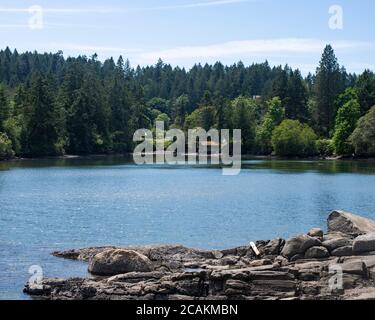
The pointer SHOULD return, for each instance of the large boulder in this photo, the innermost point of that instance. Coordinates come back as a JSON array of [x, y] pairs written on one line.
[[346, 251], [299, 245], [118, 261], [364, 243], [316, 253], [349, 223], [336, 243]]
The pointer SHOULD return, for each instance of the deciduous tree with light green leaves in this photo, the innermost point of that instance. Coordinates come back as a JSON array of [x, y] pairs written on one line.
[[346, 122], [363, 137], [273, 117], [292, 138]]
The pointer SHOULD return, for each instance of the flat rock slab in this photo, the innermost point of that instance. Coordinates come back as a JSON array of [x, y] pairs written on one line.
[[350, 223], [357, 267]]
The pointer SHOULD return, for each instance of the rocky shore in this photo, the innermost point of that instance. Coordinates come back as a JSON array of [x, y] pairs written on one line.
[[336, 265]]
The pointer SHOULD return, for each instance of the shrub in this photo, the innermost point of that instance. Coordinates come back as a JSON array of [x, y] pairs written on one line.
[[6, 151], [291, 138], [363, 138], [324, 147]]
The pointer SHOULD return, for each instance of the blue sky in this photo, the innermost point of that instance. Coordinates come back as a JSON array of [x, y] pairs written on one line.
[[183, 32]]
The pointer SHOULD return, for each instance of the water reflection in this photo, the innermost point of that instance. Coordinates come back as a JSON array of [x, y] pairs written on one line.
[[287, 166]]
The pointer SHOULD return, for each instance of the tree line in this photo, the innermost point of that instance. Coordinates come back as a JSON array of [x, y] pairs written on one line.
[[51, 106]]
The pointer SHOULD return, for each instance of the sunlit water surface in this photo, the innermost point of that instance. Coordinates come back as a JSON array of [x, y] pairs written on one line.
[[49, 205]]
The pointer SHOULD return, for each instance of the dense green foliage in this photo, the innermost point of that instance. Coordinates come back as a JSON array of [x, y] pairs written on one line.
[[363, 137], [50, 105], [365, 89], [325, 147], [329, 82], [273, 117], [346, 122], [291, 138], [6, 151]]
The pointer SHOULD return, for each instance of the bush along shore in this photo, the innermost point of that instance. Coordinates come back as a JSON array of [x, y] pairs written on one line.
[[337, 265]]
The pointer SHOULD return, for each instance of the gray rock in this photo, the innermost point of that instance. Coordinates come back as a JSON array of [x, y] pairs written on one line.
[[351, 281], [337, 243], [349, 223], [229, 261], [312, 265], [297, 257], [357, 267], [174, 272], [365, 243], [299, 245], [316, 232], [334, 235], [274, 247], [134, 277], [274, 285], [346, 251], [316, 253], [261, 262], [282, 261], [366, 294], [118, 261], [369, 261]]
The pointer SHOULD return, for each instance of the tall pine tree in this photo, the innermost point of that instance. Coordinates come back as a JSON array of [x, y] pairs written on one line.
[[327, 87]]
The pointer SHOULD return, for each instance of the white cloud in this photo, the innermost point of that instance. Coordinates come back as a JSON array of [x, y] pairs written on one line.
[[237, 49], [297, 52]]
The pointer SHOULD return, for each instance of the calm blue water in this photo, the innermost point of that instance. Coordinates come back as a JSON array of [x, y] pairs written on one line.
[[52, 205]]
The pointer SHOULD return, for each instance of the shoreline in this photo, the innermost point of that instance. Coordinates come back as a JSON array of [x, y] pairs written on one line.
[[244, 157], [299, 268]]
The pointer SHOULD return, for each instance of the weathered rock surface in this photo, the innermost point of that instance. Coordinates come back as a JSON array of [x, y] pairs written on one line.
[[336, 243], [315, 232], [349, 223], [365, 243], [117, 261], [357, 267], [299, 245], [316, 253], [342, 251], [274, 247], [300, 268]]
